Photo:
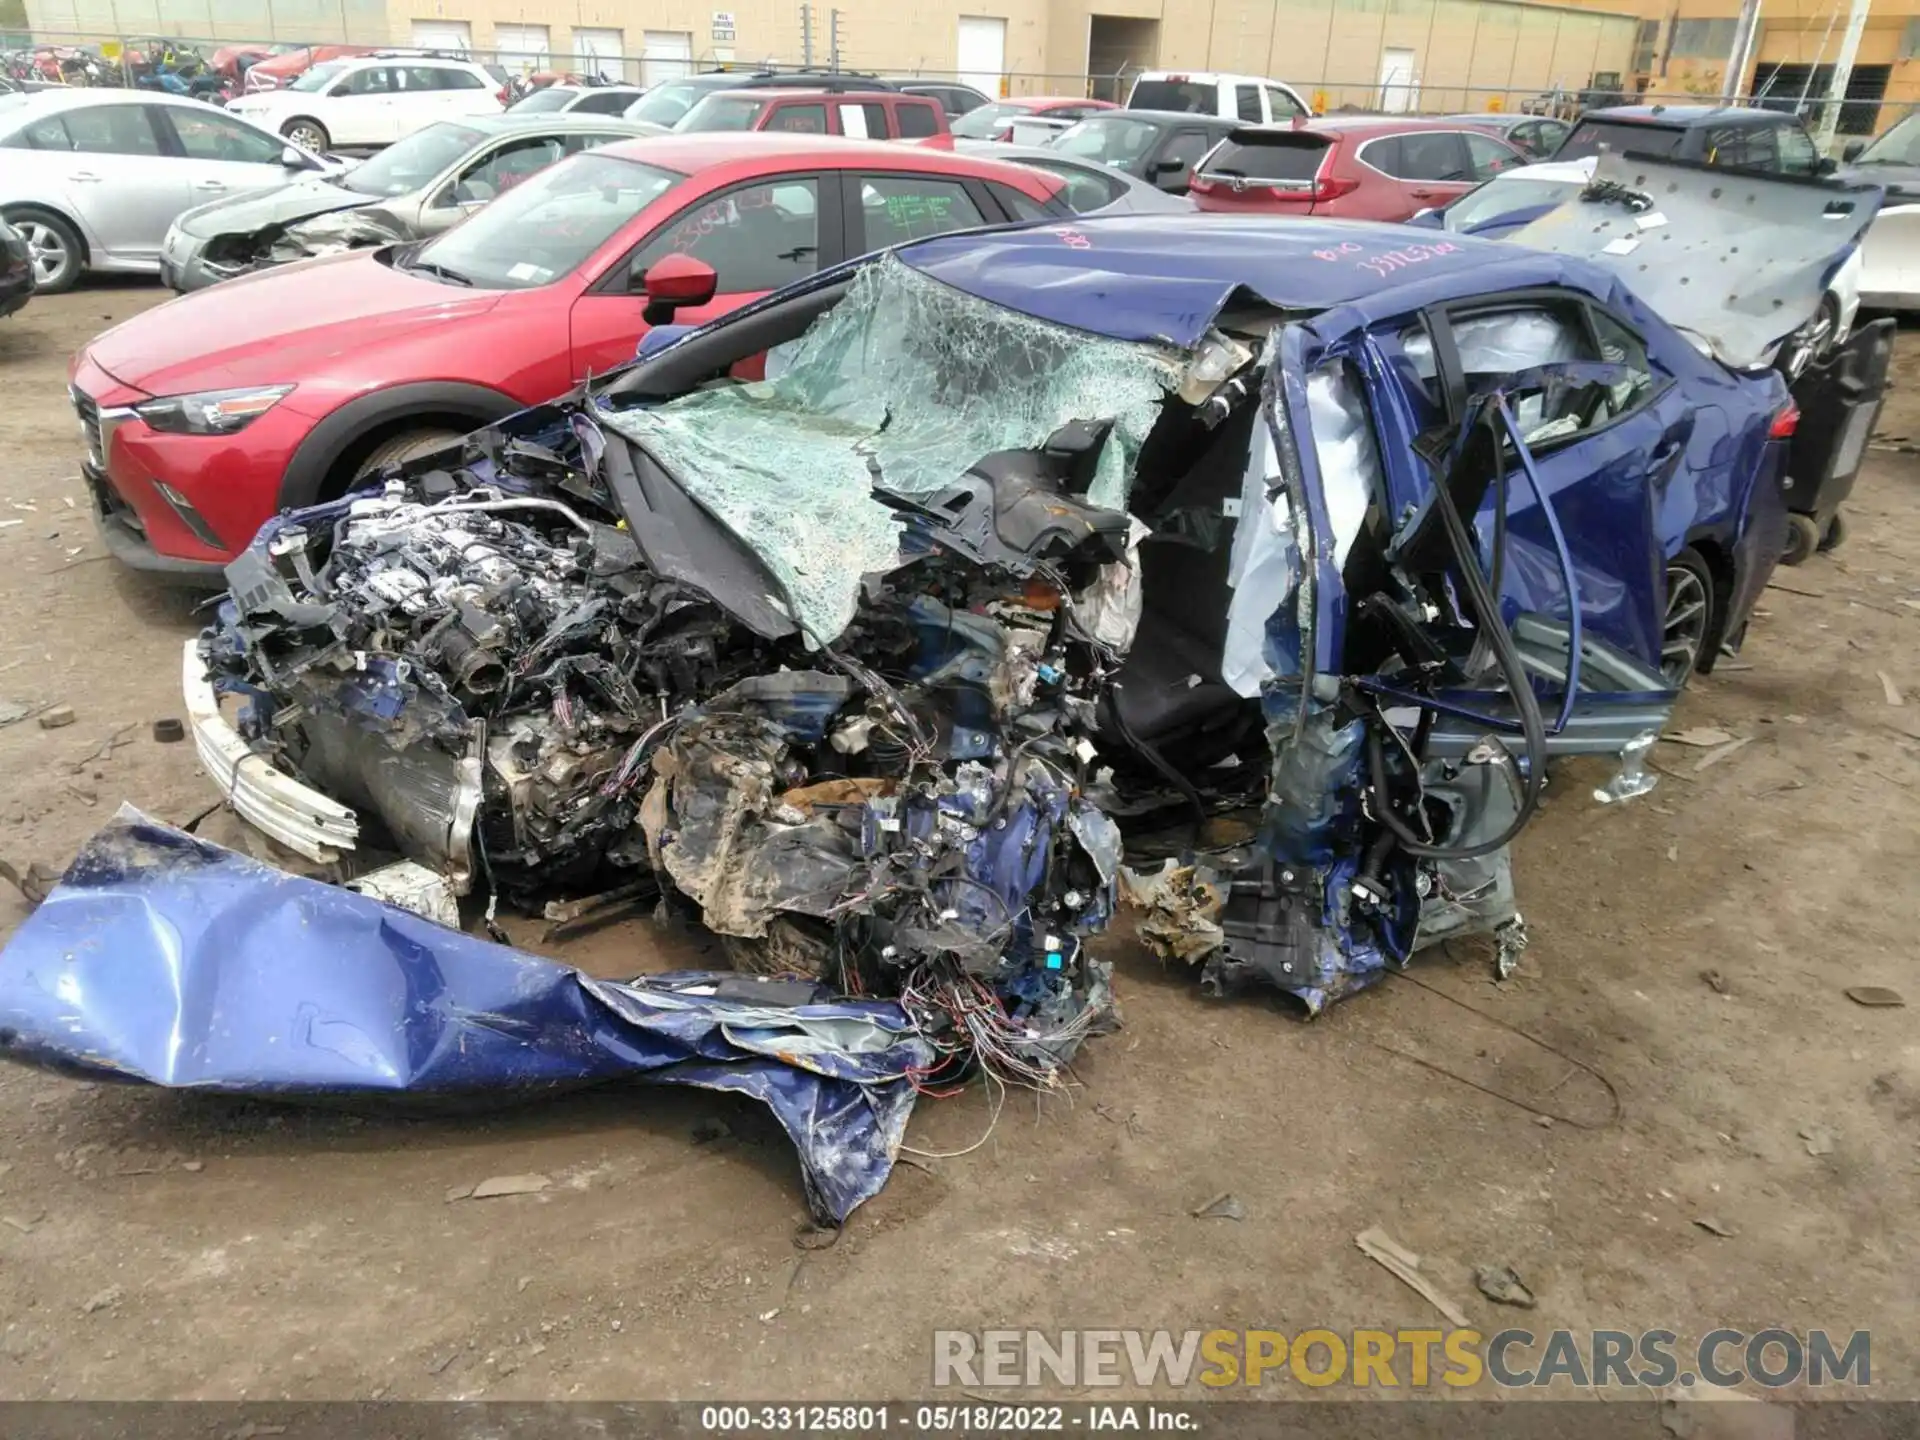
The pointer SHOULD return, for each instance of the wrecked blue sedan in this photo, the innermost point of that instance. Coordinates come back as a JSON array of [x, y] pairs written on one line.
[[877, 622]]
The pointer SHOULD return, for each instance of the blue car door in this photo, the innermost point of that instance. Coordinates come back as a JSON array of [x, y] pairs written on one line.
[[1604, 452]]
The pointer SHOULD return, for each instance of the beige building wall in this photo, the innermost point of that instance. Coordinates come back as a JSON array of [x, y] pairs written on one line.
[[890, 35], [1335, 49]]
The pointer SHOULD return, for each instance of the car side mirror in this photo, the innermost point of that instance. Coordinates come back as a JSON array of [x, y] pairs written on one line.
[[1852, 150], [294, 159], [675, 281]]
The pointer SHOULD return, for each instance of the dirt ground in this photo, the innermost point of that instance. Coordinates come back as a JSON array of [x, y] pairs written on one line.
[[159, 1245]]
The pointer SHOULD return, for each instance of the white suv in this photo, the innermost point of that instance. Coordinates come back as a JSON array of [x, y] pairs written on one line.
[[1252, 98], [372, 99]]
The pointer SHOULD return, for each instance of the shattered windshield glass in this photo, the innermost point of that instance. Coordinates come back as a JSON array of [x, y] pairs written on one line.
[[905, 384]]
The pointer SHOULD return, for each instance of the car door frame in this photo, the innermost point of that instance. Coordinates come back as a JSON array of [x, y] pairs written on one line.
[[104, 252], [200, 192], [1667, 449], [854, 216], [1598, 719], [447, 179], [1438, 197], [363, 106], [1515, 155], [1150, 162], [610, 278]]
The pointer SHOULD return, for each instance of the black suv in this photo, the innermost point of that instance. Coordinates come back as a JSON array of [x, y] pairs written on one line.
[[1729, 136], [666, 102]]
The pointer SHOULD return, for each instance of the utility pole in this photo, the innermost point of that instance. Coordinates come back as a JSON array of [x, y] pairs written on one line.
[[1746, 40], [833, 40], [1842, 73], [806, 36]]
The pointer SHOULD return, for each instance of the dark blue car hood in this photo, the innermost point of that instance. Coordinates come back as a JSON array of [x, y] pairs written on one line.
[[1165, 278]]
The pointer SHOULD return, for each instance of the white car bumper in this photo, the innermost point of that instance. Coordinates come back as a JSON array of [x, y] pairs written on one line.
[[296, 815]]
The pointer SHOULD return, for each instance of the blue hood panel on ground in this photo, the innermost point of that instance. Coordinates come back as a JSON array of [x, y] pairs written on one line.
[[165, 959]]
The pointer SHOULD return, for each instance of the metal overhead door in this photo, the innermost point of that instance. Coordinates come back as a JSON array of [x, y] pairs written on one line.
[[453, 36], [665, 55], [521, 47], [598, 52], [983, 53]]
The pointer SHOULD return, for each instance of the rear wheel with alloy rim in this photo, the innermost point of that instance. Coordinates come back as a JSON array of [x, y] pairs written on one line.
[[52, 246], [308, 134], [1689, 618]]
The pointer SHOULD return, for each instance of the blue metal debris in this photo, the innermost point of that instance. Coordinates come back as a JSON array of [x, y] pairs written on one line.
[[166, 960]]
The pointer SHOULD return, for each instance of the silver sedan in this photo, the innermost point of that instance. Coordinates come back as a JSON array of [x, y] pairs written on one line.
[[93, 178], [1092, 188], [418, 187]]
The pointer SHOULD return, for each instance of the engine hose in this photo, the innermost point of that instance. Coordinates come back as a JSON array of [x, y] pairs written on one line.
[[1486, 608]]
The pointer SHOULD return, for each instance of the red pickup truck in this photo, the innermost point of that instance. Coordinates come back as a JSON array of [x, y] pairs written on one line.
[[857, 114]]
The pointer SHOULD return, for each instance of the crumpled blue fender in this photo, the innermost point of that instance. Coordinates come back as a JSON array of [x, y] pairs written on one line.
[[164, 959]]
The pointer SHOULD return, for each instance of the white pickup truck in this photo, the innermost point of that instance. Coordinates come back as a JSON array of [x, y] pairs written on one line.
[[1252, 98]]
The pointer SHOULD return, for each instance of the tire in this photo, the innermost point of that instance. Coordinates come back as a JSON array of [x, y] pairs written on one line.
[[1690, 620], [310, 134], [1836, 533], [403, 446], [1803, 538], [59, 258]]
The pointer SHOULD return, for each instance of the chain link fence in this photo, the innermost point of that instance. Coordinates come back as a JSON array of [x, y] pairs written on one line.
[[38, 56]]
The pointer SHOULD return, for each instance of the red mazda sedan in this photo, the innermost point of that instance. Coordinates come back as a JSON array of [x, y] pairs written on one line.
[[1371, 167], [206, 415]]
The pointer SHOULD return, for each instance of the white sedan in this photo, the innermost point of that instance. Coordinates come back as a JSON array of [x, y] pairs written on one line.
[[91, 179]]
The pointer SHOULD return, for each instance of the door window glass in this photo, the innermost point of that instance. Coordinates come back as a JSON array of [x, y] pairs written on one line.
[[1246, 99], [374, 80], [1489, 157], [1431, 155], [605, 102], [1086, 189], [1022, 207], [917, 121], [505, 168], [899, 208], [799, 120], [759, 237], [212, 136], [112, 130], [1797, 155], [1283, 105], [1743, 147], [1184, 148], [47, 133]]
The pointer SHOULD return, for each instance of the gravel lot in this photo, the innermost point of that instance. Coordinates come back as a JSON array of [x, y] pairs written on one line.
[[158, 1245]]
